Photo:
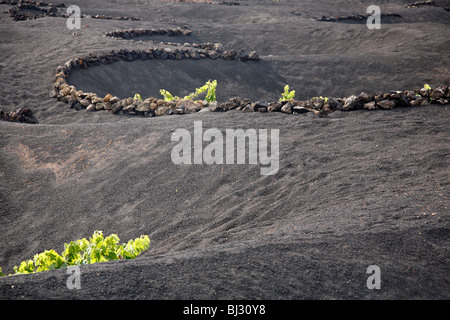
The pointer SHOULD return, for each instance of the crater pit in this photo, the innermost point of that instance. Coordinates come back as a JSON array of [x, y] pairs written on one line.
[[255, 80]]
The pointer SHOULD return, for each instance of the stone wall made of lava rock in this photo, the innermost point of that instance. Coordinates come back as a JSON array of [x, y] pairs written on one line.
[[170, 32], [226, 3], [420, 4], [80, 100], [30, 9], [150, 107], [133, 33], [321, 106], [357, 18]]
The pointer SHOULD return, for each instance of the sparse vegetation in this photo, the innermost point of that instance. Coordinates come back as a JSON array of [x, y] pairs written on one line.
[[167, 95], [287, 95], [209, 88], [83, 251]]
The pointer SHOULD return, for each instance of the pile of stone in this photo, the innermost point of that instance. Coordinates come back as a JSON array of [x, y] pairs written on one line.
[[356, 18], [24, 115]]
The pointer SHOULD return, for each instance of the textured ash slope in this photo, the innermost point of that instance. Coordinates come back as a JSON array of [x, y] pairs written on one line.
[[353, 189]]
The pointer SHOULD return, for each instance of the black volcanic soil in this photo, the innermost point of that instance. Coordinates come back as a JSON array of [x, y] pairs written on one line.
[[353, 189]]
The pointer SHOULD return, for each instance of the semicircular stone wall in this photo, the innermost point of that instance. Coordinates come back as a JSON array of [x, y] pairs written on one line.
[[153, 106]]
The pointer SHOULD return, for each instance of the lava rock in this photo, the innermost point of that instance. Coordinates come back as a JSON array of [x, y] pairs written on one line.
[[386, 104], [212, 54], [243, 56], [351, 103], [248, 108], [230, 54], [274, 106], [365, 98], [253, 56], [260, 106], [189, 106], [370, 105], [162, 110], [180, 110], [214, 106], [85, 102], [233, 103], [287, 108], [143, 107]]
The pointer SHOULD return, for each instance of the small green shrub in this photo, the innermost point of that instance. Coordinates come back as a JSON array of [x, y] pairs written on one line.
[[167, 95], [83, 251], [209, 88], [137, 96], [427, 88], [287, 95]]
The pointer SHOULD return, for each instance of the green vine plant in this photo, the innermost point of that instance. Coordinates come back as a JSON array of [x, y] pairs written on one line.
[[209, 88], [167, 96], [427, 87], [81, 252], [287, 95]]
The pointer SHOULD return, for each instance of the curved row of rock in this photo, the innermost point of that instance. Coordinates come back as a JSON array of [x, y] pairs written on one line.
[[215, 48], [152, 106], [80, 100], [384, 101], [30, 10]]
